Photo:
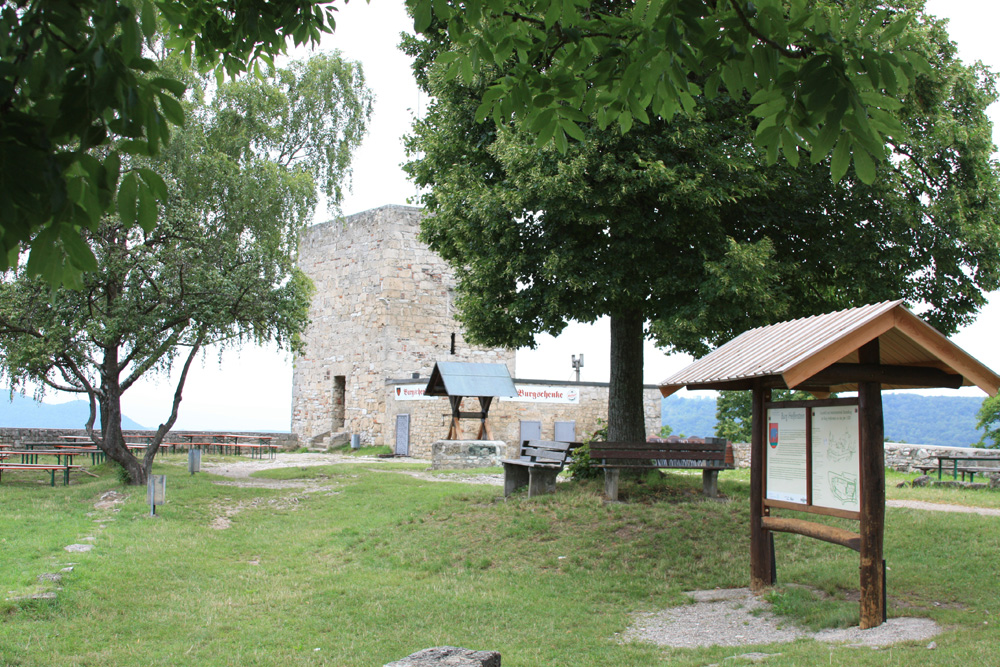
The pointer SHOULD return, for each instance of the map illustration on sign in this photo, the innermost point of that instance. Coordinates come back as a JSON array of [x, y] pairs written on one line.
[[844, 487], [836, 457]]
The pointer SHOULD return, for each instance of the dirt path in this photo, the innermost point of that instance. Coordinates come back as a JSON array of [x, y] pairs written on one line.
[[942, 507]]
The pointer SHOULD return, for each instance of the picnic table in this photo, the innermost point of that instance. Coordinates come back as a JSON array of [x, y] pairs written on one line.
[[957, 467]]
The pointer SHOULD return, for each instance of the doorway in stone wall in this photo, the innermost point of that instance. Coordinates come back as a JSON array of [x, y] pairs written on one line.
[[339, 399], [403, 435], [530, 430]]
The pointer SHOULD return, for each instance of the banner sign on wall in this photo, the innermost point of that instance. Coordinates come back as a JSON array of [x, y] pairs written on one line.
[[537, 393], [526, 393], [413, 392]]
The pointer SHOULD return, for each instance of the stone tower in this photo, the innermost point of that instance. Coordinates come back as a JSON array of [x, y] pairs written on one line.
[[382, 311]]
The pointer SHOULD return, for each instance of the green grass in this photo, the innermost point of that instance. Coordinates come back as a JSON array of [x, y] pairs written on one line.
[[370, 565]]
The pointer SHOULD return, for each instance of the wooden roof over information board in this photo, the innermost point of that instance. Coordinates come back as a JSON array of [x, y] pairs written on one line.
[[820, 354], [454, 378]]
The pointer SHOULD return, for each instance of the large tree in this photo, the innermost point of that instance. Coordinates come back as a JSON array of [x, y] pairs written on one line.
[[77, 75], [682, 230], [218, 266]]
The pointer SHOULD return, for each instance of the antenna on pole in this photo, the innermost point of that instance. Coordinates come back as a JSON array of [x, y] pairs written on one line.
[[577, 365]]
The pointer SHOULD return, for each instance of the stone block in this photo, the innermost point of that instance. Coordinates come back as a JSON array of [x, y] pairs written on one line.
[[449, 656], [459, 454]]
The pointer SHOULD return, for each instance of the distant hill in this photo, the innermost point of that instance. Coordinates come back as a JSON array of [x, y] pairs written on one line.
[[24, 412], [925, 420]]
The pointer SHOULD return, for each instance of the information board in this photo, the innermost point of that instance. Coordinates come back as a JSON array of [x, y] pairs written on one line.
[[836, 458], [786, 455]]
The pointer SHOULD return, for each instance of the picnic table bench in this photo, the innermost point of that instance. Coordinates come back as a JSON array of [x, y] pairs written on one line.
[[956, 467], [537, 465], [710, 457], [50, 467]]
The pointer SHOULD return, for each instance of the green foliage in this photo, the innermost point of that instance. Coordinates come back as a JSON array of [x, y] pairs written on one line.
[[665, 431], [581, 467], [822, 79], [217, 268], [988, 419], [80, 76], [683, 229]]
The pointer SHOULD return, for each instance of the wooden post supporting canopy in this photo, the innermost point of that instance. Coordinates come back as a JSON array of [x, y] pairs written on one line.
[[872, 494], [760, 552]]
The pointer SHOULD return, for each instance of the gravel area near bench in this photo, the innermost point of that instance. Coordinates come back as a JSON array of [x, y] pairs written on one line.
[[736, 617]]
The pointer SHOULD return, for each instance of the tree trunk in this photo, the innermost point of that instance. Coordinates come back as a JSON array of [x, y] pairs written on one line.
[[113, 441], [626, 417]]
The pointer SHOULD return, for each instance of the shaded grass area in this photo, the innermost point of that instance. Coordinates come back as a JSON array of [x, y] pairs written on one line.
[[371, 566]]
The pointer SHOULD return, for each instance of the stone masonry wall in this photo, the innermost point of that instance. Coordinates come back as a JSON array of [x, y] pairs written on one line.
[[429, 419], [382, 309]]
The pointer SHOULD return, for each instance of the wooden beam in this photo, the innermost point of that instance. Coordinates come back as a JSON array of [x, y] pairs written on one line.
[[831, 534], [760, 552], [921, 376], [940, 347], [872, 493]]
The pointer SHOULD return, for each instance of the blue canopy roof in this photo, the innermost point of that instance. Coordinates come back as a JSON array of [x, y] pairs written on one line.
[[454, 378]]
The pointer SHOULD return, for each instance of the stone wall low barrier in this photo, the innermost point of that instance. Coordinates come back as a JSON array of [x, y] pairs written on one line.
[[16, 436], [899, 456]]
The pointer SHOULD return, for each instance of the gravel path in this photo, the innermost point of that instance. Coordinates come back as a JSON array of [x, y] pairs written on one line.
[[736, 617], [942, 507]]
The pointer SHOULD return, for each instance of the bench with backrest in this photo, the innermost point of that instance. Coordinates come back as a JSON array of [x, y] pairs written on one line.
[[710, 457], [50, 467], [537, 465]]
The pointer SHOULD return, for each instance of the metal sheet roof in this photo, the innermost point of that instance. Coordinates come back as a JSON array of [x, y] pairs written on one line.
[[796, 350], [453, 378]]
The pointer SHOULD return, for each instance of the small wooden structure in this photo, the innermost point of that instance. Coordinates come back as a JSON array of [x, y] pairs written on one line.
[[826, 456], [456, 380]]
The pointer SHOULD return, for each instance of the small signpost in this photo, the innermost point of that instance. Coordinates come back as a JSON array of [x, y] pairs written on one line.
[[194, 460], [156, 491]]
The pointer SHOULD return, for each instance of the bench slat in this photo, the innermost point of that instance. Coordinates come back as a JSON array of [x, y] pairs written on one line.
[[655, 454]]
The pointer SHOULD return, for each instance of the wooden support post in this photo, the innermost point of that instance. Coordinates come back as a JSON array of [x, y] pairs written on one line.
[[872, 493], [760, 553], [455, 430], [484, 425]]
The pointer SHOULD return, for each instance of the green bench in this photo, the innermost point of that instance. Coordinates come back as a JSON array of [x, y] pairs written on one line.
[[50, 467]]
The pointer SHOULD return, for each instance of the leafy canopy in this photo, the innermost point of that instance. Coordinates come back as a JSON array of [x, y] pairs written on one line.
[[78, 74], [218, 267], [988, 419], [822, 77]]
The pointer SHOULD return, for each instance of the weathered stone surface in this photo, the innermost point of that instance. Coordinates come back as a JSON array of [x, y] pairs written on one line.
[[923, 480], [77, 548], [54, 577], [449, 656], [461, 454]]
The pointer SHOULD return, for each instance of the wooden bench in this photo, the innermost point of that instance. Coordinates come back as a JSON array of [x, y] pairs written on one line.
[[50, 467], [537, 465], [711, 457]]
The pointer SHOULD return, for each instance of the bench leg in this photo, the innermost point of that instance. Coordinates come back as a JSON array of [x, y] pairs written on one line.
[[710, 483], [514, 477], [611, 476], [541, 481]]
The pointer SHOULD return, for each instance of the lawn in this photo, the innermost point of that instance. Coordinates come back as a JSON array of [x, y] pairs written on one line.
[[367, 565]]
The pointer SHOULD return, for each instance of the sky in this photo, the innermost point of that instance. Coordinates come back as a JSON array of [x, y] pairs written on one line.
[[250, 388]]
